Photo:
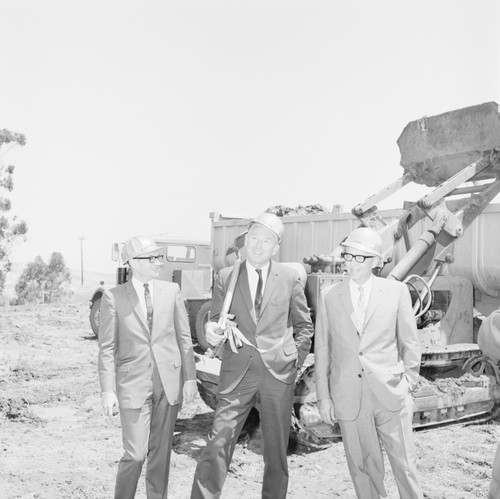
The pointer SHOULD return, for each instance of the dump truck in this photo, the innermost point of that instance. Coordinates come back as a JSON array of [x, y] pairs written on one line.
[[444, 246]]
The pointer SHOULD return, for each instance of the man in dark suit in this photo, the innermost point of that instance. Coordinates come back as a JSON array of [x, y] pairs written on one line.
[[268, 299], [146, 367]]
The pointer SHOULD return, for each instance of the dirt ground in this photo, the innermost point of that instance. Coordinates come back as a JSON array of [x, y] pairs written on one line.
[[55, 442]]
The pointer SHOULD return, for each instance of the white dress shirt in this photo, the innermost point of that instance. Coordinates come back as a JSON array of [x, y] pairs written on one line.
[[139, 289], [355, 292], [253, 279]]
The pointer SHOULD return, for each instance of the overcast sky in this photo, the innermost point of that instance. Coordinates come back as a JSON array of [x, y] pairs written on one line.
[[143, 117]]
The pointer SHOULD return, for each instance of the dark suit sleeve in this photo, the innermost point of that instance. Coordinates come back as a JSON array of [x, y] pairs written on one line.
[[301, 321], [108, 329], [218, 295], [183, 333]]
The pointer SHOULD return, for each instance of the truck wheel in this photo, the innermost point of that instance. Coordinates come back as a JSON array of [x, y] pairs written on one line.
[[95, 310], [201, 319]]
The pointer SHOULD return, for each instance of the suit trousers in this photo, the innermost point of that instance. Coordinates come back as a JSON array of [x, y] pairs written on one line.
[[362, 438], [274, 400], [147, 432]]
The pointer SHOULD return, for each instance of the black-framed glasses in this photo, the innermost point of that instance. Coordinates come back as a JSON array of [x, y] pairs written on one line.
[[152, 259], [348, 257]]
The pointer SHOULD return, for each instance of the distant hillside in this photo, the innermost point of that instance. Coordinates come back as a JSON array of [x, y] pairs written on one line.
[[91, 281], [81, 293]]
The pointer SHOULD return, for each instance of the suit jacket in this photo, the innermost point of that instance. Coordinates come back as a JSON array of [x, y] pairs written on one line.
[[488, 336], [283, 331], [388, 350], [127, 349]]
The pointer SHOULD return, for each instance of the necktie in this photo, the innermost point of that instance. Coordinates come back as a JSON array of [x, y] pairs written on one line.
[[149, 306], [258, 294], [361, 309]]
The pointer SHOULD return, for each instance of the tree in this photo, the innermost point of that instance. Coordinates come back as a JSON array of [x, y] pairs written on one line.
[[58, 278], [30, 286], [42, 283], [11, 229]]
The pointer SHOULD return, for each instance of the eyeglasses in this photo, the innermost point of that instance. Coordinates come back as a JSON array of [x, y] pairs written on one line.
[[152, 259], [348, 257]]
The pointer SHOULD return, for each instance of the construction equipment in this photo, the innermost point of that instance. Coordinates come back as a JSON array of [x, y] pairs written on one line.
[[444, 246]]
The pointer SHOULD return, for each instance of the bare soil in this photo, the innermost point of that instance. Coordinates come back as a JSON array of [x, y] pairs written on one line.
[[56, 443]]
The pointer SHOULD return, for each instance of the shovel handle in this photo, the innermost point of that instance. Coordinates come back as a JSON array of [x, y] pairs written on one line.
[[226, 305], [229, 294]]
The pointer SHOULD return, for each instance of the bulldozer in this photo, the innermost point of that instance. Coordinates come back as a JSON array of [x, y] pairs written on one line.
[[443, 246]]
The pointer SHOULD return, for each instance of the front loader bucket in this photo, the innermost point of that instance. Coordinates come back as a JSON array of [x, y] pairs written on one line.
[[435, 148]]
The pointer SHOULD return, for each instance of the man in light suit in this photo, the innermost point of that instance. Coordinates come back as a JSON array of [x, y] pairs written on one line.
[[488, 339], [367, 359], [268, 299], [146, 367]]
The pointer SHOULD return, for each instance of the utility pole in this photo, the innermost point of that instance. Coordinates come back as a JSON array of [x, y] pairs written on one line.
[[81, 258]]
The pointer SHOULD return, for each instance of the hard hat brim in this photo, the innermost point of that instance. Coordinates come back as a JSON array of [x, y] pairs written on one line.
[[360, 247], [255, 222], [151, 248]]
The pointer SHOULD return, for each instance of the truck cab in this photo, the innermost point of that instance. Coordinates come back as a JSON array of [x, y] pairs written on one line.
[[186, 262]]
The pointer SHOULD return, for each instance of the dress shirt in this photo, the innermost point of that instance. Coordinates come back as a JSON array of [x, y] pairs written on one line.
[[139, 289], [253, 279], [354, 288]]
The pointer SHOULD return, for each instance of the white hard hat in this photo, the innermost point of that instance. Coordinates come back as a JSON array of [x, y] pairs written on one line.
[[138, 245], [364, 239], [271, 222]]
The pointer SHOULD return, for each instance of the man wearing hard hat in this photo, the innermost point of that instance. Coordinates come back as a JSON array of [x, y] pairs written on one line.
[[146, 366], [267, 299], [367, 359]]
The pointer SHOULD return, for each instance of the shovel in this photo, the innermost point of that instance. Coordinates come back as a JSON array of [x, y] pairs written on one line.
[[224, 314]]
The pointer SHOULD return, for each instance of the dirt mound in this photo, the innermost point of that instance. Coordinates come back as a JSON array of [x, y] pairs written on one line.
[[56, 444], [310, 209]]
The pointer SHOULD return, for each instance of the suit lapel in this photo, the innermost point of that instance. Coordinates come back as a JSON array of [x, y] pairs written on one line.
[[375, 296], [134, 300], [158, 300], [268, 290], [244, 287], [345, 298]]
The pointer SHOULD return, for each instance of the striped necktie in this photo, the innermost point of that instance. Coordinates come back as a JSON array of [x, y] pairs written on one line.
[[149, 306], [258, 294]]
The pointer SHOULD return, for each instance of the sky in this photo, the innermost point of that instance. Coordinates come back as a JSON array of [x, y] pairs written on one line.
[[142, 117]]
